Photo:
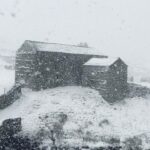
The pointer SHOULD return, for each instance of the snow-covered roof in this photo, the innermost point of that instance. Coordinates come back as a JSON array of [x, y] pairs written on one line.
[[101, 61], [64, 48]]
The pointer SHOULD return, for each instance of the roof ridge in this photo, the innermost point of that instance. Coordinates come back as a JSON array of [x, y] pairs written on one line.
[[55, 43], [64, 48]]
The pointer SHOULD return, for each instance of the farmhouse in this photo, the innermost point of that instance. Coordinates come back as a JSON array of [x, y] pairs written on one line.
[[107, 75], [41, 65]]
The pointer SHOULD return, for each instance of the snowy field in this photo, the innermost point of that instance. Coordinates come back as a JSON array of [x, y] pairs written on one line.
[[6, 77], [88, 114], [85, 110]]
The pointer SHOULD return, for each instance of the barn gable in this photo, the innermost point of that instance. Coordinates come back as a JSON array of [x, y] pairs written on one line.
[[119, 61], [107, 75], [27, 48]]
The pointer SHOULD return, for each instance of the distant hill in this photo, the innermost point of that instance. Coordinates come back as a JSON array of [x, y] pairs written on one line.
[[139, 74], [7, 73], [7, 52], [7, 58]]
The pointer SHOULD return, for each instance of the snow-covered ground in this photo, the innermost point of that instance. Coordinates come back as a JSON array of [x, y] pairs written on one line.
[[88, 114], [86, 110]]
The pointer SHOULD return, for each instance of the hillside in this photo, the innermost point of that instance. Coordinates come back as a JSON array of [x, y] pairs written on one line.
[[87, 114], [79, 116], [7, 76]]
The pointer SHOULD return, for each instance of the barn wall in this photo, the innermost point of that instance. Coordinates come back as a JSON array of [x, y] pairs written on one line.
[[39, 69], [118, 80], [96, 77], [25, 67], [59, 69], [8, 98], [111, 81]]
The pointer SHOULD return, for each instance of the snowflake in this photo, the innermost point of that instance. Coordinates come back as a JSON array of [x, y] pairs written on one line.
[[93, 73], [47, 69]]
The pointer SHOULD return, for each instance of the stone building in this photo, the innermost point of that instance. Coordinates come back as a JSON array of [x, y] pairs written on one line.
[[41, 65], [107, 75]]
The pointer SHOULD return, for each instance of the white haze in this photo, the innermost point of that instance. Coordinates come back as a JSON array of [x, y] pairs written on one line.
[[115, 27]]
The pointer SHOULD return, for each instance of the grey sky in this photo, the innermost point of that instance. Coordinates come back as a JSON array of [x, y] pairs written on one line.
[[115, 27]]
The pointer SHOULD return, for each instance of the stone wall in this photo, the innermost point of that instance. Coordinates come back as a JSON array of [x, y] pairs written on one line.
[[9, 97], [110, 81]]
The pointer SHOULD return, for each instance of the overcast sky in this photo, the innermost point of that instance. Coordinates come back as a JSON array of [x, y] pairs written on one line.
[[115, 27]]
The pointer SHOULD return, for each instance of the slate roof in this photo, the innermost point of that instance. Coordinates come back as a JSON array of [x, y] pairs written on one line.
[[63, 48]]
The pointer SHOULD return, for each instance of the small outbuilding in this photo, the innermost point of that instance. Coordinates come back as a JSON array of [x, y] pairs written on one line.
[[107, 75]]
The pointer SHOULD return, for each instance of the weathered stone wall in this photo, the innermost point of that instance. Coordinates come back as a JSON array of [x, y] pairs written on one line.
[[25, 65], [110, 81], [136, 90], [117, 81], [96, 77], [10, 139], [59, 69], [42, 69], [9, 97]]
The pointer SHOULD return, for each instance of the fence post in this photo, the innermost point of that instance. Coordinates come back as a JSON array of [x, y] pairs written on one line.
[[4, 94]]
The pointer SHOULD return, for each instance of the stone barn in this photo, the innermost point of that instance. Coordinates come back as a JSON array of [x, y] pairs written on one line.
[[42, 65], [108, 76]]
